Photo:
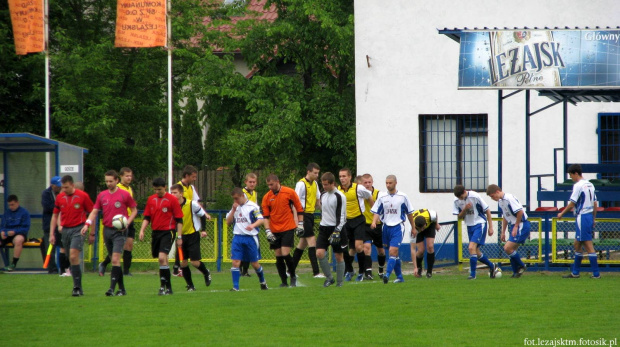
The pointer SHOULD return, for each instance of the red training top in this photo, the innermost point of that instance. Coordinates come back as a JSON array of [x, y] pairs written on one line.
[[277, 207], [163, 212], [114, 203], [74, 208]]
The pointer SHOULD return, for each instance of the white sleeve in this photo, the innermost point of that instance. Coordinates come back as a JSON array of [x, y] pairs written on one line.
[[514, 204], [363, 193], [375, 207], [197, 209], [481, 202], [300, 189], [408, 205], [456, 210], [574, 197], [196, 197]]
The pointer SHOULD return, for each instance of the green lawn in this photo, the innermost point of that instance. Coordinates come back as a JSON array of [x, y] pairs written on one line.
[[445, 310]]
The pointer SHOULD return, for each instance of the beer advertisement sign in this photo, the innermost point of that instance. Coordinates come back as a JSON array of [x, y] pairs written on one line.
[[535, 59]]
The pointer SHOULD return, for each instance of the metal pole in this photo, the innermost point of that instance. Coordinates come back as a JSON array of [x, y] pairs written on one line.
[[500, 116], [169, 43], [48, 175], [565, 137], [527, 150]]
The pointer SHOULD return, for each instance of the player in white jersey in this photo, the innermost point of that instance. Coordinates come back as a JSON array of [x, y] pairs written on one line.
[[515, 220], [469, 205], [245, 246], [393, 209], [333, 218], [584, 201]]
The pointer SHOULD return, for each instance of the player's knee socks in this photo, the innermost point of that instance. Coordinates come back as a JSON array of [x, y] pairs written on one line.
[[236, 274], [340, 272], [260, 274], [76, 273], [107, 260], [368, 264], [297, 256], [513, 263], [473, 260], [381, 262], [483, 259], [420, 261], [187, 275], [397, 268], [360, 262], [15, 260], [289, 264], [594, 264], [62, 262], [177, 263], [281, 266], [121, 280], [577, 265], [245, 265], [127, 256], [202, 268], [430, 261], [325, 267], [348, 261], [390, 266], [114, 276], [313, 261], [516, 258], [162, 276]]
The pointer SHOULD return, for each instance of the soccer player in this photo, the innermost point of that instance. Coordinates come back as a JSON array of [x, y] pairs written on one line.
[[355, 226], [48, 197], [74, 205], [194, 219], [280, 225], [163, 212], [469, 205], [250, 194], [374, 235], [113, 201], [189, 176], [583, 199], [307, 190], [14, 229], [246, 216], [333, 218], [426, 223], [392, 209]]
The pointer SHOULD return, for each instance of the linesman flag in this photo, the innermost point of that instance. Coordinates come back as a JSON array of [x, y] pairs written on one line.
[[28, 28], [140, 23]]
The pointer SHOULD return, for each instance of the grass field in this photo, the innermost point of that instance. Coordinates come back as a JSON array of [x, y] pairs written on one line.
[[447, 310]]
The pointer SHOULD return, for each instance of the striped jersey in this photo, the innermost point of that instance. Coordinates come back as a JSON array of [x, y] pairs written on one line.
[[475, 215], [393, 208], [510, 206], [189, 192], [356, 194], [308, 193], [333, 209], [583, 197]]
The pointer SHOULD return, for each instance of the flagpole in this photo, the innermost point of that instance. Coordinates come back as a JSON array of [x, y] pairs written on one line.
[[47, 88], [169, 44]]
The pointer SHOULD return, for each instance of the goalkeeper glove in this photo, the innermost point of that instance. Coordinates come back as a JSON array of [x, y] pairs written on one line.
[[334, 238], [270, 236], [299, 231]]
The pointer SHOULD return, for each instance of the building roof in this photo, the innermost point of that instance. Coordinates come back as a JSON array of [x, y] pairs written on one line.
[[29, 142], [256, 10]]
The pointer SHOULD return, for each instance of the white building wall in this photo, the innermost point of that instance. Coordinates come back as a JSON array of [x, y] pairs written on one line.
[[413, 71]]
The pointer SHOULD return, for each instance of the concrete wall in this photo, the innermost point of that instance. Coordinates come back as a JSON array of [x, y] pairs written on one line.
[[413, 71]]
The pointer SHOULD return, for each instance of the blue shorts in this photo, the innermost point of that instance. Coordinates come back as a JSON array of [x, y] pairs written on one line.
[[245, 248], [393, 235], [477, 233], [522, 235], [584, 224]]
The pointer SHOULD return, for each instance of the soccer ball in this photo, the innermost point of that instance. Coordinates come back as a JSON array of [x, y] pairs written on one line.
[[119, 222], [498, 274]]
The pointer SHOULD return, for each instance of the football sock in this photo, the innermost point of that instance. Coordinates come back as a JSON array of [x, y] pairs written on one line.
[[515, 261], [313, 261], [76, 273], [245, 265], [187, 275], [397, 268], [390, 266], [577, 266], [473, 260], [360, 262], [483, 259], [289, 264], [420, 261], [281, 266], [430, 261], [121, 280], [177, 263], [61, 263], [594, 264], [162, 277], [236, 274], [297, 256], [260, 274], [325, 267], [15, 260], [106, 261], [368, 263], [202, 268], [381, 262], [348, 261], [114, 276], [127, 256], [340, 272]]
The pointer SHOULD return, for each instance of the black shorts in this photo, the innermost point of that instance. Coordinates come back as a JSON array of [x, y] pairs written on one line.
[[430, 231], [308, 225], [191, 246], [283, 239], [374, 236], [9, 239], [355, 228], [161, 242], [322, 241], [57, 239], [131, 231]]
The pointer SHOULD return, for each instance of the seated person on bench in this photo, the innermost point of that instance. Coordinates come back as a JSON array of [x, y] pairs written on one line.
[[14, 229]]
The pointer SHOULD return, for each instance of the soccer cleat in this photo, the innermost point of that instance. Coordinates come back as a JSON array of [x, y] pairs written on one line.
[[520, 271], [429, 274], [596, 277], [319, 275], [190, 288], [368, 277], [180, 273], [339, 284], [162, 291], [496, 270], [294, 281], [329, 282], [101, 269], [471, 277], [80, 291], [66, 274], [399, 280], [571, 275], [128, 274], [121, 292], [283, 285], [348, 276], [263, 286], [76, 291], [208, 278], [492, 271], [169, 291], [246, 274], [234, 289], [110, 292], [10, 268], [386, 279], [359, 278], [381, 274]]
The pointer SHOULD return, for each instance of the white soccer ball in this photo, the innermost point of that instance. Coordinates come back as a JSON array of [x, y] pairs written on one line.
[[498, 274], [119, 222]]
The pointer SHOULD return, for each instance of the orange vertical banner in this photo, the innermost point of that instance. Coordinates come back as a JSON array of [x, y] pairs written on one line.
[[28, 28], [140, 23]]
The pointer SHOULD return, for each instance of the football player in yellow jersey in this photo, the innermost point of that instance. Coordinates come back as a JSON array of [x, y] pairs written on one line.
[[374, 235], [250, 193], [355, 226], [427, 224], [189, 176], [194, 221], [307, 190]]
